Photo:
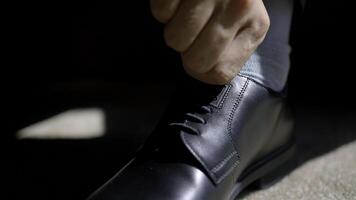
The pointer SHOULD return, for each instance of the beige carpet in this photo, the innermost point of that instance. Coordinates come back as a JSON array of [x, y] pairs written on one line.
[[327, 159], [331, 176]]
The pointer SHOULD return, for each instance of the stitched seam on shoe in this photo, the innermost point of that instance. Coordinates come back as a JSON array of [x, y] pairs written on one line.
[[222, 163], [225, 96], [221, 101], [209, 170], [228, 172], [198, 157], [231, 115]]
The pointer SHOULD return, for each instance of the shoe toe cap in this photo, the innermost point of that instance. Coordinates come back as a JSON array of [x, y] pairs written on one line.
[[157, 181]]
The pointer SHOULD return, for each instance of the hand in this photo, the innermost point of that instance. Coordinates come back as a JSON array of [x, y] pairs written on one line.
[[215, 37]]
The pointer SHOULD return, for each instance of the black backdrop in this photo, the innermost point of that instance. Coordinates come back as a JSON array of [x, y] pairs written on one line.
[[47, 42], [119, 40]]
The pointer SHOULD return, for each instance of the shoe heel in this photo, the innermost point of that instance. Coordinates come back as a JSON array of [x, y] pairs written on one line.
[[275, 175]]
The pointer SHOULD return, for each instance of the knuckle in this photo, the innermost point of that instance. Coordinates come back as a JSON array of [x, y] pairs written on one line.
[[265, 22], [160, 16], [196, 62], [244, 4], [158, 12], [260, 26], [191, 65], [175, 39], [170, 38], [221, 76]]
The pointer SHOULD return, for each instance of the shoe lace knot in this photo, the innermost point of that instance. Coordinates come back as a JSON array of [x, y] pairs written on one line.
[[189, 118]]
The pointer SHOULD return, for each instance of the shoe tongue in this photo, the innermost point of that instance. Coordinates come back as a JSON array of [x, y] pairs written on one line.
[[195, 92], [188, 94], [217, 102]]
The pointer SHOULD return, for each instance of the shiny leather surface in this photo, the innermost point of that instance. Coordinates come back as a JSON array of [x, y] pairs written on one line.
[[246, 122]]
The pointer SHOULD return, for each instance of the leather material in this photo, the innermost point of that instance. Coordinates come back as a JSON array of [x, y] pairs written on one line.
[[246, 123]]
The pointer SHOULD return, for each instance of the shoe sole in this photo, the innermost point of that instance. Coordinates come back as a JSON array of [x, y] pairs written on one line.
[[267, 171]]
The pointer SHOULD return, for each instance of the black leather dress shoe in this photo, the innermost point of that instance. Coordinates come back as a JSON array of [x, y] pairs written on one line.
[[239, 138]]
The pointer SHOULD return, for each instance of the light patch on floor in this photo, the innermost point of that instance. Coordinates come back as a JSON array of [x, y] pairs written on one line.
[[72, 124], [331, 176]]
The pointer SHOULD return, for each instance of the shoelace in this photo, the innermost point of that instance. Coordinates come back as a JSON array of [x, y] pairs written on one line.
[[192, 117]]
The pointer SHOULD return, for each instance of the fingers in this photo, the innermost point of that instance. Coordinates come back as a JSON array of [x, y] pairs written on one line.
[[214, 39], [164, 10], [232, 59], [230, 62], [187, 23]]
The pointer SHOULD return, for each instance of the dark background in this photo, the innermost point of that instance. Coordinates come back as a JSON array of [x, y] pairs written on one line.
[[106, 40], [65, 54]]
